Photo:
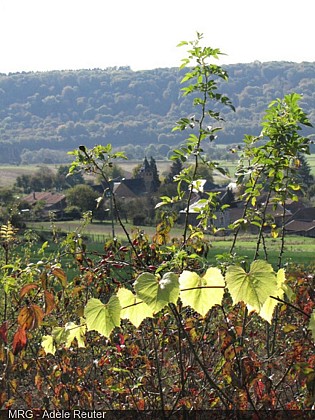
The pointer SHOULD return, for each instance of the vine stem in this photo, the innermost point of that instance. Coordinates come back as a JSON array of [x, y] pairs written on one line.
[[203, 112], [260, 234], [114, 202], [222, 395], [246, 208], [291, 306], [283, 225], [158, 368], [238, 361]]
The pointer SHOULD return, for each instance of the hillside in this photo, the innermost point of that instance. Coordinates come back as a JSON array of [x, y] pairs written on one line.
[[53, 112]]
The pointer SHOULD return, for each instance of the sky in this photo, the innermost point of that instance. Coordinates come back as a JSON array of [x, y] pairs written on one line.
[[43, 35]]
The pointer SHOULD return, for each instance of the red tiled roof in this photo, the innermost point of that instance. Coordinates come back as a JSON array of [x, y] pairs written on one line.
[[299, 226], [48, 197]]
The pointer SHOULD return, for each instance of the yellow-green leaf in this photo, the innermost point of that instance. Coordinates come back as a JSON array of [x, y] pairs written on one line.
[[270, 304], [58, 335], [202, 293], [48, 344], [65, 335], [253, 287], [157, 293], [101, 317], [73, 331], [133, 308]]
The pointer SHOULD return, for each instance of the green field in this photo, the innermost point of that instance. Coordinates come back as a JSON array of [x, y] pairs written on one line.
[[298, 249], [9, 173]]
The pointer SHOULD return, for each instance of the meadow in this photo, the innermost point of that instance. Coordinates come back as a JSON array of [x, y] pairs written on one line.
[[9, 173], [298, 249], [167, 326]]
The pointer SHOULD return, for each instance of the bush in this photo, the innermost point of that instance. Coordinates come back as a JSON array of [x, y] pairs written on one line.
[[151, 323]]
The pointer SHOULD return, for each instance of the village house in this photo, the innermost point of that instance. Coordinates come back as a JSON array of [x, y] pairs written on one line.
[[224, 197], [48, 201], [302, 222]]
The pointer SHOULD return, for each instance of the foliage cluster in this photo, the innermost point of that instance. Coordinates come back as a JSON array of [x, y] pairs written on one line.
[[44, 179], [152, 323], [47, 112]]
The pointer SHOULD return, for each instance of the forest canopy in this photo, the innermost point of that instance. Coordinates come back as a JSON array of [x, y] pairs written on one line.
[[52, 112]]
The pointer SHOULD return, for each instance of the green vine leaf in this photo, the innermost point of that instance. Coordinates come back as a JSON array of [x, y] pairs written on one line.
[[157, 293], [73, 331], [133, 308], [48, 344], [64, 335], [270, 304], [202, 293], [101, 317], [254, 287]]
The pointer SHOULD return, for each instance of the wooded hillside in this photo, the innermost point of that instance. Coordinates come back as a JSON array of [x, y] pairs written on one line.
[[53, 112]]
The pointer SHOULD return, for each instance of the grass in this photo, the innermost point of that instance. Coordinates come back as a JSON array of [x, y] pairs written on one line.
[[298, 249], [311, 162], [9, 173]]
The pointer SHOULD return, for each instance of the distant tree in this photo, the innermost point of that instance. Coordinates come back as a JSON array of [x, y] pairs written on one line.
[[155, 175], [23, 182], [114, 171], [8, 205], [46, 177], [305, 172], [6, 196], [203, 172], [146, 165], [82, 196], [175, 169], [163, 150], [41, 180], [136, 171], [64, 181], [150, 150]]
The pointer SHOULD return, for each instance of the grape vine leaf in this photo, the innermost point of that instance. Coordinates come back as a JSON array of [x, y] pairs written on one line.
[[64, 335], [157, 293], [61, 275], [254, 287], [101, 317], [270, 304], [74, 331], [48, 344], [202, 293], [30, 316], [49, 302], [133, 308], [19, 340]]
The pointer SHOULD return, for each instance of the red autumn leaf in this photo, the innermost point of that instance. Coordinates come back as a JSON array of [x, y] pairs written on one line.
[[30, 317], [121, 339], [25, 289], [259, 388], [43, 278], [49, 302], [141, 404], [123, 249], [19, 340], [61, 275], [4, 332]]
